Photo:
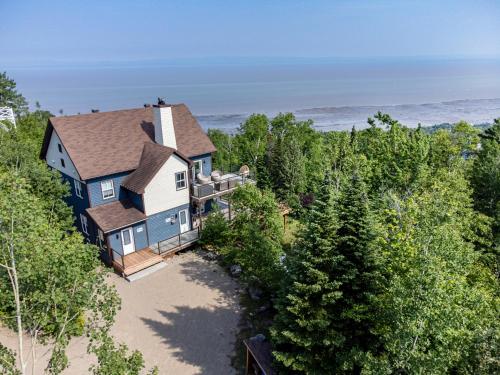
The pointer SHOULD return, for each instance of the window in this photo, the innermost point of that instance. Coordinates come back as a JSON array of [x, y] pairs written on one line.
[[78, 189], [59, 147], [83, 220], [180, 180], [107, 189], [63, 164], [197, 168], [100, 234]]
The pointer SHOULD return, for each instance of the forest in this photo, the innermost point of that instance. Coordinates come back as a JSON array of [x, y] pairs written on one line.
[[393, 263], [389, 264]]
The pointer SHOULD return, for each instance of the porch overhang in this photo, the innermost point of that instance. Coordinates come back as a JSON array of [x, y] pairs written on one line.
[[116, 215]]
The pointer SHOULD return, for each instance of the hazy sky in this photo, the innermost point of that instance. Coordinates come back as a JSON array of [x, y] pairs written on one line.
[[41, 32]]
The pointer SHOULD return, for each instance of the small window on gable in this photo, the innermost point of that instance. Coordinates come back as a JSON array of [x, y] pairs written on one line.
[[78, 189], [107, 189], [63, 164], [59, 147], [85, 227], [180, 180]]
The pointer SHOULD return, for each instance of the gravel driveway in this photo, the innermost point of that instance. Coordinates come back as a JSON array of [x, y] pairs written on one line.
[[183, 319]]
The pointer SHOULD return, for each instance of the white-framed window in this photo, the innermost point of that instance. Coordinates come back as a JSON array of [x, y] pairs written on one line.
[[107, 188], [85, 226], [78, 189], [180, 180], [197, 168]]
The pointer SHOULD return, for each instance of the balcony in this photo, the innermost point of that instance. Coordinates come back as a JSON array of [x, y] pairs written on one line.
[[214, 186]]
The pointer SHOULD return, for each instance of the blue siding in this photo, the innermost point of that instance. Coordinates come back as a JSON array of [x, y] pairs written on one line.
[[94, 186], [140, 238], [159, 229], [207, 163], [79, 206], [136, 200]]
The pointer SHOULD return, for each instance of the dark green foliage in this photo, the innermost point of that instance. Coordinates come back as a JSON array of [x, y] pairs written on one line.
[[9, 97], [485, 179], [216, 232], [114, 359], [8, 362], [226, 157], [323, 322], [253, 238]]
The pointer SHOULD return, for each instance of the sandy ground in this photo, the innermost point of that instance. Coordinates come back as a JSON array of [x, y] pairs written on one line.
[[183, 319]]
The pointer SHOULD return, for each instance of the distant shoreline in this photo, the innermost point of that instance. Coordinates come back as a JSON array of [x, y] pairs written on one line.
[[480, 112]]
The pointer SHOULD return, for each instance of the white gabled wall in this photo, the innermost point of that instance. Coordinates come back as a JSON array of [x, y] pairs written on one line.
[[164, 127], [54, 157], [161, 193]]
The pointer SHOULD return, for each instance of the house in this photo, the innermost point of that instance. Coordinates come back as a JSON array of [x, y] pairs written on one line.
[[140, 180]]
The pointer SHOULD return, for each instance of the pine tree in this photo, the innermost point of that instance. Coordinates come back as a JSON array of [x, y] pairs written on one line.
[[323, 321], [302, 334], [358, 274]]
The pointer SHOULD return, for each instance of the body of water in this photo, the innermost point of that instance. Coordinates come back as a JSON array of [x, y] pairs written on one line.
[[335, 94]]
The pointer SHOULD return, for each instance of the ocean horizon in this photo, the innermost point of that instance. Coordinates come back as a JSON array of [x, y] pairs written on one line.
[[335, 94]]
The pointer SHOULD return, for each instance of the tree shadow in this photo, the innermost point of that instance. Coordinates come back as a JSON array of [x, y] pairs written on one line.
[[201, 337], [213, 276]]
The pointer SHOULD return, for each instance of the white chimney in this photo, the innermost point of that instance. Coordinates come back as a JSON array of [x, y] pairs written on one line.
[[164, 126]]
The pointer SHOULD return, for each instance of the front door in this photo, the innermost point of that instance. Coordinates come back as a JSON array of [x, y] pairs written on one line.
[[128, 241], [183, 220]]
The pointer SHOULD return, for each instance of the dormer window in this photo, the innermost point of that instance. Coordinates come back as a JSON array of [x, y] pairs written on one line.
[[107, 189], [59, 147]]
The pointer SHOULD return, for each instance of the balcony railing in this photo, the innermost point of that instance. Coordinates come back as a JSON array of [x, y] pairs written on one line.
[[177, 242], [218, 186]]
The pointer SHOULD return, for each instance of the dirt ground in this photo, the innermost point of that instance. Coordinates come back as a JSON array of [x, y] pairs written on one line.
[[183, 318]]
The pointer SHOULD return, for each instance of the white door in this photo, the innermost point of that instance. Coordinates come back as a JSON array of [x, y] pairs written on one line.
[[128, 241], [183, 220], [197, 168]]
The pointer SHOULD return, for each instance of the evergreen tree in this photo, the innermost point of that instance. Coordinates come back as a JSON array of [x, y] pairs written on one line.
[[302, 333], [323, 321], [9, 97]]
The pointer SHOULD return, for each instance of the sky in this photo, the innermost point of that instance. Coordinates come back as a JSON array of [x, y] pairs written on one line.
[[34, 32]]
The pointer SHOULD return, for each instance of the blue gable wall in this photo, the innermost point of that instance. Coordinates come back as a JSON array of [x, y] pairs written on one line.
[[94, 187], [79, 206], [159, 229], [207, 163], [136, 199], [140, 238]]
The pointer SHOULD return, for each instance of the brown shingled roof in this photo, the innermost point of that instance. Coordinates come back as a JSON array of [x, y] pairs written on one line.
[[115, 215], [104, 143], [152, 158]]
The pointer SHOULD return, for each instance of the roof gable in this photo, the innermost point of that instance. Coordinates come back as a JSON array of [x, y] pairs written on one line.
[[152, 159], [105, 143]]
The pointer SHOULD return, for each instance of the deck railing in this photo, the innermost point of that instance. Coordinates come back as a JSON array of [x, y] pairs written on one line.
[[175, 242], [216, 187], [118, 258]]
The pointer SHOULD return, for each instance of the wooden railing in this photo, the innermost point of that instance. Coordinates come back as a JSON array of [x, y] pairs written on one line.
[[118, 259]]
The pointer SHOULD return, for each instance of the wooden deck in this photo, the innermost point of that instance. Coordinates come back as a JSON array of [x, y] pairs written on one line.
[[136, 261]]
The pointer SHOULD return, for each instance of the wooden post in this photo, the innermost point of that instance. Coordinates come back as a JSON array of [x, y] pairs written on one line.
[[229, 206]]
